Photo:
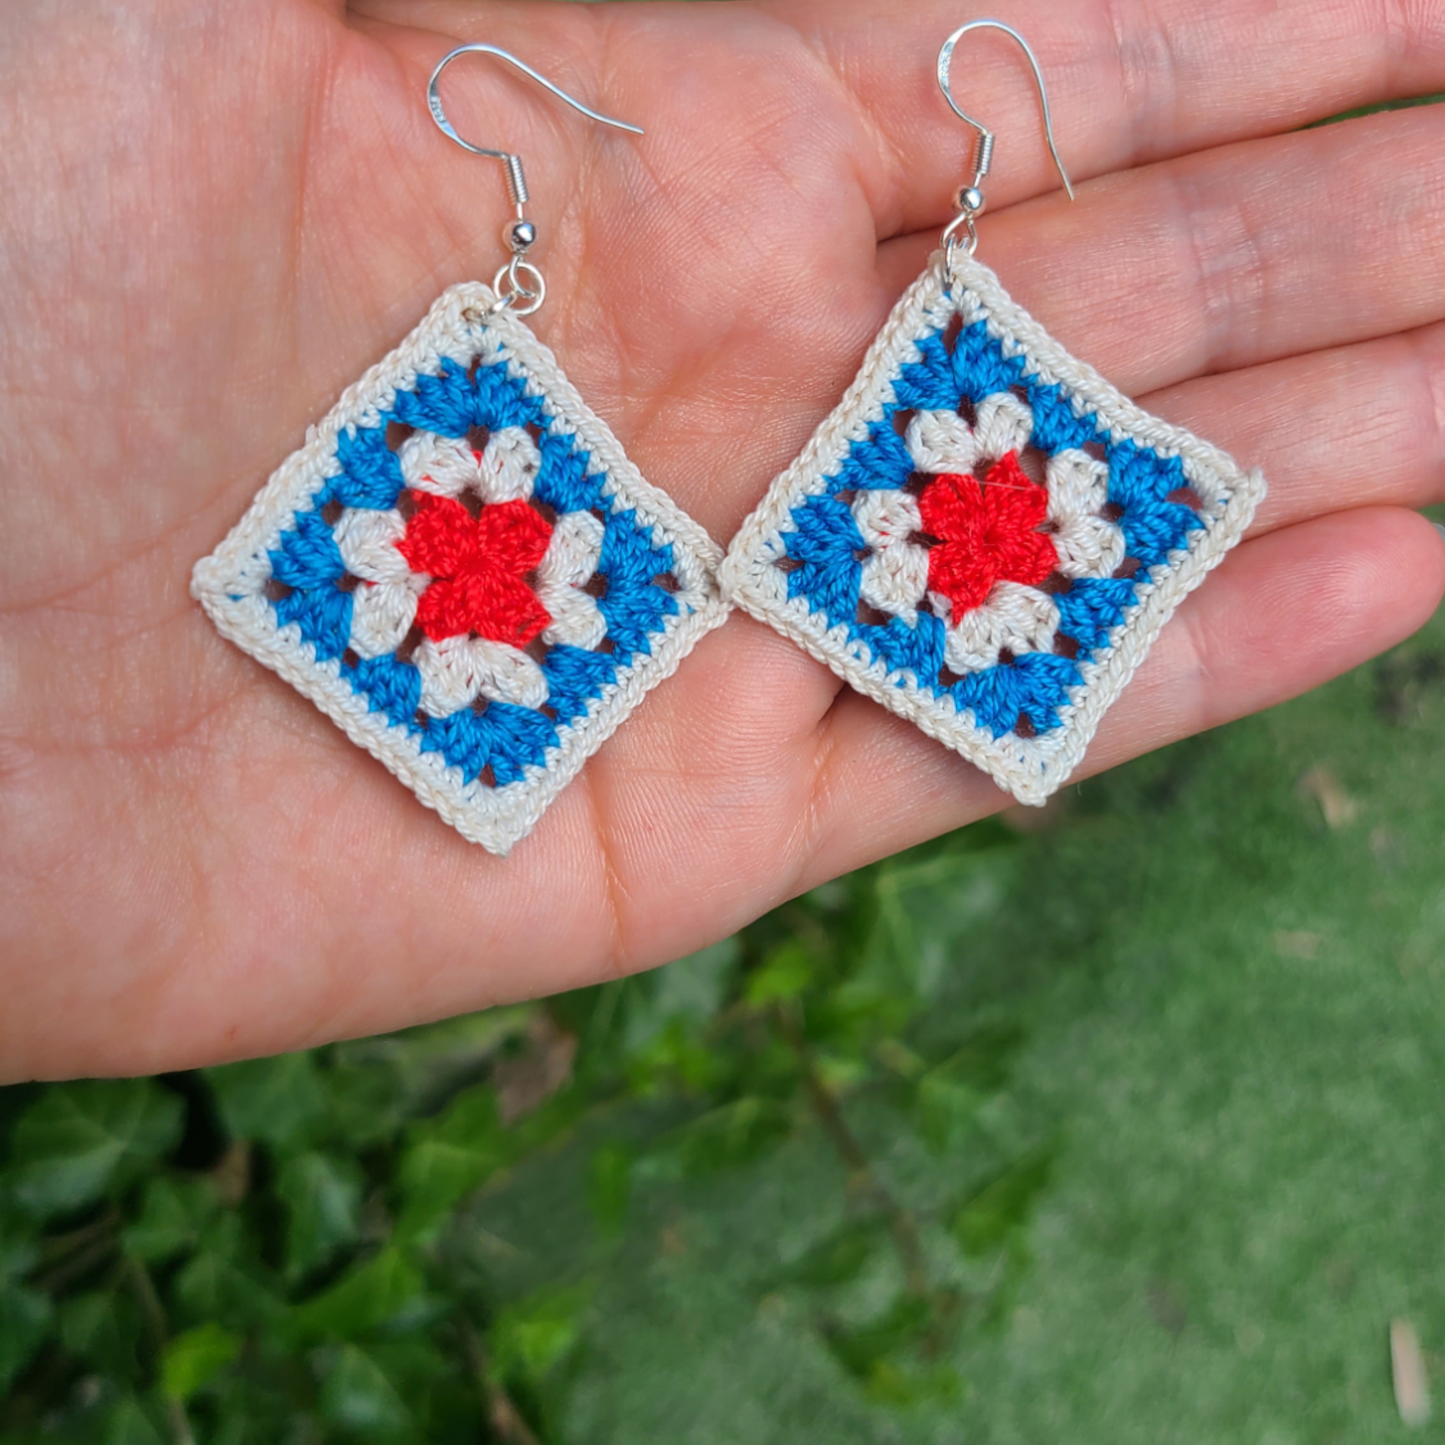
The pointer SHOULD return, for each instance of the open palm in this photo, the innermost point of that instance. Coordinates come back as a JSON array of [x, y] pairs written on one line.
[[218, 214]]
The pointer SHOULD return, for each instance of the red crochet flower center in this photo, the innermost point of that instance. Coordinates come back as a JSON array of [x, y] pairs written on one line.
[[477, 565], [987, 533]]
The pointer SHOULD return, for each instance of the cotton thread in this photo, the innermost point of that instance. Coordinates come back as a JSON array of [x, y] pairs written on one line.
[[297, 568], [1007, 662]]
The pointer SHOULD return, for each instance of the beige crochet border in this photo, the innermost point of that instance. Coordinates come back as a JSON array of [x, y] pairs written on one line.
[[229, 583], [1030, 769]]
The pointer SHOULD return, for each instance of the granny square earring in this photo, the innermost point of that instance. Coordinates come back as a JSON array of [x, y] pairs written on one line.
[[461, 567], [986, 536]]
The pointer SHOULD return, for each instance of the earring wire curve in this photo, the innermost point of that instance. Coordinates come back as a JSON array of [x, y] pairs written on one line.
[[527, 290], [983, 152], [970, 198]]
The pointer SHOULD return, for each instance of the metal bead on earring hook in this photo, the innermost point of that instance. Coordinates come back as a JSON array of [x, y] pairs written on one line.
[[520, 235], [525, 288], [970, 198]]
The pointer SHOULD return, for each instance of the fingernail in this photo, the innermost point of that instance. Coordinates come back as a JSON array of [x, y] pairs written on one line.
[[1440, 528]]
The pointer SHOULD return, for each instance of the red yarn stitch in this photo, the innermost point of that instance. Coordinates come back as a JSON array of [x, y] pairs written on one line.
[[987, 532], [477, 565]]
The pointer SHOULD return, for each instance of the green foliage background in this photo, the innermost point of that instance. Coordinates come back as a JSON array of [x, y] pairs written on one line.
[[1123, 1129]]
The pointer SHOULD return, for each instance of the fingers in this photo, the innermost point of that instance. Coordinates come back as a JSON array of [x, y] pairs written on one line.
[[1129, 81], [1358, 426], [1236, 256], [1283, 614]]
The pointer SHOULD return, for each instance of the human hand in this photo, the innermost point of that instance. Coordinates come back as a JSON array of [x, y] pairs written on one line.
[[220, 213]]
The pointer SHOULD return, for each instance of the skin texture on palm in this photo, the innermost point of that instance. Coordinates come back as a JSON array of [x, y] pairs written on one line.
[[220, 213]]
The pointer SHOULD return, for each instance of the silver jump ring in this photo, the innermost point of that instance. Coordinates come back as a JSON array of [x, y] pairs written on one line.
[[525, 291], [952, 243]]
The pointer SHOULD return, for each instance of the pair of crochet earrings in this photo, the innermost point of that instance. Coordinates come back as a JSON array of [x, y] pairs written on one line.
[[462, 568]]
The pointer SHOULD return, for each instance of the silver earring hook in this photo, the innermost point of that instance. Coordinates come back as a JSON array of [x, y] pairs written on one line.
[[527, 288], [970, 197], [983, 152]]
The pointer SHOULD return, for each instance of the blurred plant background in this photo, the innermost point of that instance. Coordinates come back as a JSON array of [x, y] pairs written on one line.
[[1120, 1123]]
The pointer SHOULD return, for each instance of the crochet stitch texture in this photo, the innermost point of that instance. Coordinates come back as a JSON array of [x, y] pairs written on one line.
[[462, 568], [985, 536]]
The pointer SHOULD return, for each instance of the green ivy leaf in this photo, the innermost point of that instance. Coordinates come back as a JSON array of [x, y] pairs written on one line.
[[945, 1108], [280, 1102], [783, 974], [891, 1384], [986, 1060], [173, 1210], [227, 1237], [437, 1382], [24, 1320], [102, 1328], [695, 987], [128, 1424], [609, 1186], [366, 1107], [531, 1336], [366, 1297], [357, 1396], [1003, 1205], [434, 1177], [376, 1085], [470, 1121], [322, 1195], [19, 1245], [80, 1141], [211, 1287], [856, 1015], [861, 1349], [263, 1399], [196, 1358], [840, 1257], [672, 1058], [723, 1138], [689, 992], [447, 1158], [951, 1094]]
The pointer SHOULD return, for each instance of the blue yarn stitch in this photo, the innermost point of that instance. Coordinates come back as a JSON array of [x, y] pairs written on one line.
[[635, 609], [1035, 683], [370, 472], [323, 614], [917, 649], [308, 555], [448, 404], [574, 678], [564, 481], [881, 462], [503, 737], [1092, 608], [389, 687], [979, 366], [1139, 481], [824, 538]]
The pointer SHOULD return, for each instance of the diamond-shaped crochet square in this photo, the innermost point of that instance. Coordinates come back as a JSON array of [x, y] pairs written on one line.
[[986, 536], [465, 572]]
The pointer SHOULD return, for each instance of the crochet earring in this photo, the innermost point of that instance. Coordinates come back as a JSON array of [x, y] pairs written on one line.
[[461, 567], [985, 536]]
